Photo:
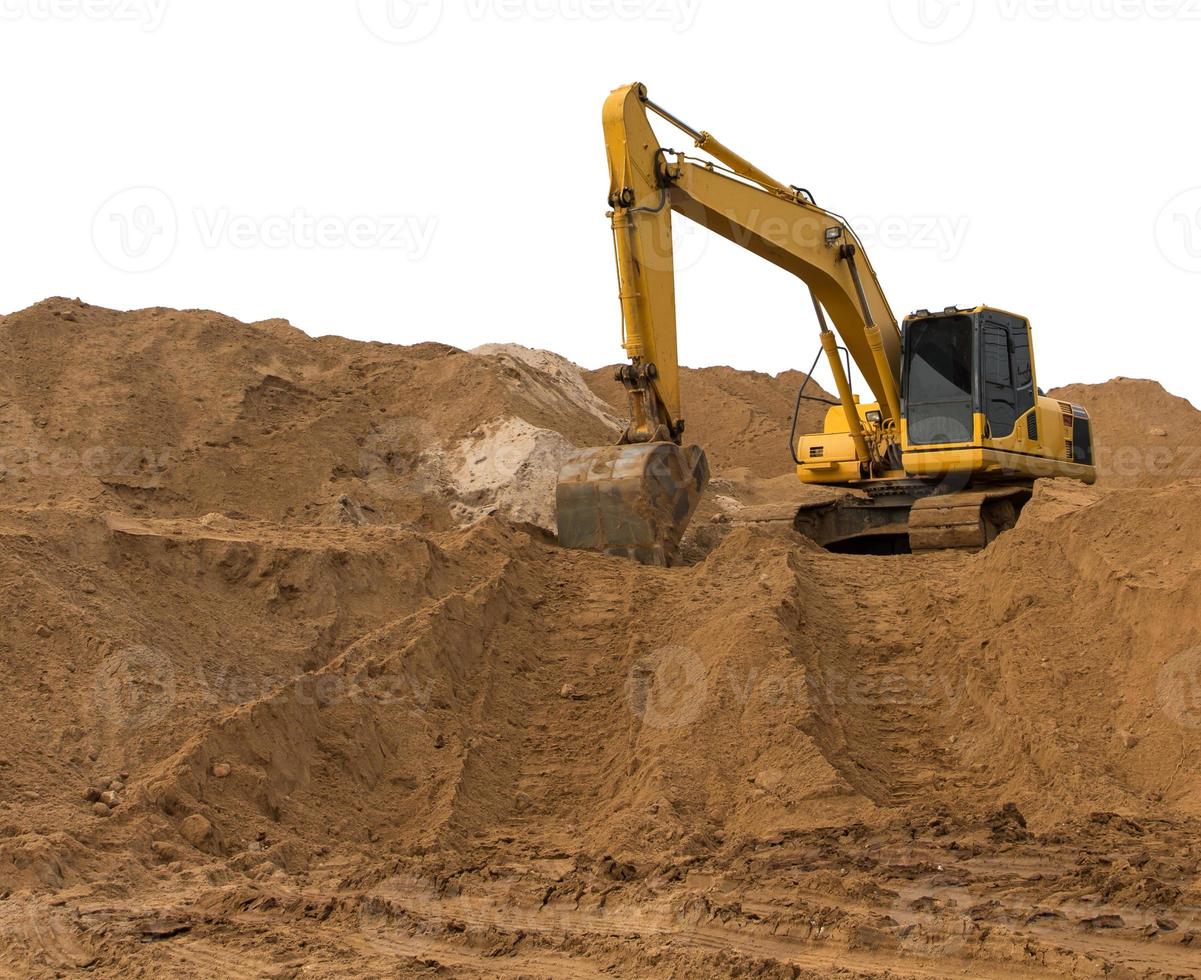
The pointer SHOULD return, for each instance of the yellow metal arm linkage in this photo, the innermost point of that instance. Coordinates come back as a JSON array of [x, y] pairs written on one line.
[[776, 222]]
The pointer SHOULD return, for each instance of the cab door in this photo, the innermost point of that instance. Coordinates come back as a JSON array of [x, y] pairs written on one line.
[[1000, 398], [1007, 375]]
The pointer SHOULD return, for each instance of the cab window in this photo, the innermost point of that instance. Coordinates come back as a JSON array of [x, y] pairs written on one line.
[[1007, 374]]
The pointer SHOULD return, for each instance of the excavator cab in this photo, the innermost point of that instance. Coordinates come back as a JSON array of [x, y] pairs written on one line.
[[971, 402], [962, 363]]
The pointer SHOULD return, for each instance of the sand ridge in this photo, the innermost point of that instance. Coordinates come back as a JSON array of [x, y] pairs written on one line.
[[296, 600]]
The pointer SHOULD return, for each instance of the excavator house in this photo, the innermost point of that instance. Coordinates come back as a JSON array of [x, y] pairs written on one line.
[[944, 454]]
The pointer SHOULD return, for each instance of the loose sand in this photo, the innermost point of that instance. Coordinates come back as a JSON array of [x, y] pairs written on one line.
[[299, 685]]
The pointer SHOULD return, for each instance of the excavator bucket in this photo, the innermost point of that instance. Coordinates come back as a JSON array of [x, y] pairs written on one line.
[[634, 501]]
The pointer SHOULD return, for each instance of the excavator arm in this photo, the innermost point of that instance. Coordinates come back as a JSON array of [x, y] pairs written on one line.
[[740, 202]]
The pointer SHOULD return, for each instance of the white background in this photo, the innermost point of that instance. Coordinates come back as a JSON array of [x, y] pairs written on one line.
[[1039, 155]]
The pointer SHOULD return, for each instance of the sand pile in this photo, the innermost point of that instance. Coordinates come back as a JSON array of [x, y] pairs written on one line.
[[166, 413], [1145, 436], [309, 690]]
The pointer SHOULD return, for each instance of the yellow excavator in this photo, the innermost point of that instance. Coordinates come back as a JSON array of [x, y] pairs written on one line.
[[943, 456]]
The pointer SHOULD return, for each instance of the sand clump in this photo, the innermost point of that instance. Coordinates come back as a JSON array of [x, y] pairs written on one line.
[[356, 710]]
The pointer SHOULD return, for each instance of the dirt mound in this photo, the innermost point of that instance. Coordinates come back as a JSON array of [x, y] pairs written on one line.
[[305, 685], [1144, 436], [180, 413]]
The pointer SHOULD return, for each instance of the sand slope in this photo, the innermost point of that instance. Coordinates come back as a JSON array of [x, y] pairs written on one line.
[[365, 716]]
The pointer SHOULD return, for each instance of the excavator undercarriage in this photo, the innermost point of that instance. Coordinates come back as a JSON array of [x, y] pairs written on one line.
[[903, 516]]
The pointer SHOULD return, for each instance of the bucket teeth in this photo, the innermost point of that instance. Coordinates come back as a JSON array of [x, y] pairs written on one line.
[[633, 501]]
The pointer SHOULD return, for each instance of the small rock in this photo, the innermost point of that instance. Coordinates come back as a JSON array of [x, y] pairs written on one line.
[[123, 776], [165, 851], [92, 794], [221, 770], [116, 785], [88, 588], [1156, 431], [195, 829], [439, 741], [109, 798], [100, 810], [1128, 739], [43, 631], [568, 691], [1103, 922]]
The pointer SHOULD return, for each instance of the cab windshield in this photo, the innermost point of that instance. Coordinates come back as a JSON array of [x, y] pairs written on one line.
[[938, 380]]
